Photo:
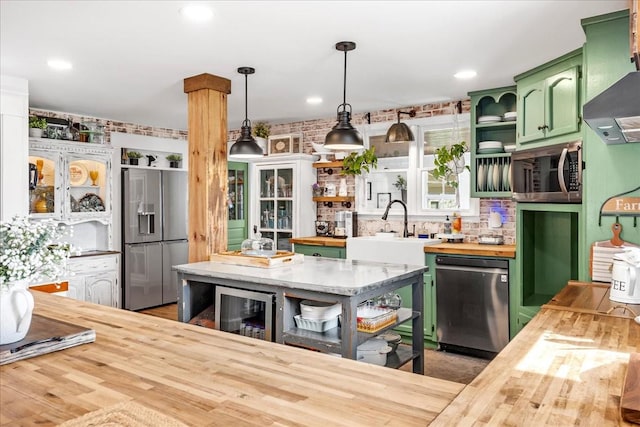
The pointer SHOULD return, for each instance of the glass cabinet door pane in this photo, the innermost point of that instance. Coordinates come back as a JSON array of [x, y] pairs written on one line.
[[235, 195], [267, 188], [42, 196], [285, 183], [282, 241], [88, 185], [267, 214]]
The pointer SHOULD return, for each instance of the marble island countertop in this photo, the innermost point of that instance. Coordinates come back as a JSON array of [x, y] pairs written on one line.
[[327, 275]]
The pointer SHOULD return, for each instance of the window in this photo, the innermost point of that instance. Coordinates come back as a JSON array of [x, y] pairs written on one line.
[[405, 171]]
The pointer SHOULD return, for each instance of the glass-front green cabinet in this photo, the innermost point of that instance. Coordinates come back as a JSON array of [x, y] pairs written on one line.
[[236, 204]]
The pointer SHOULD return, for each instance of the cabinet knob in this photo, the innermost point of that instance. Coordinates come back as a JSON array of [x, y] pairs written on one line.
[[316, 254]]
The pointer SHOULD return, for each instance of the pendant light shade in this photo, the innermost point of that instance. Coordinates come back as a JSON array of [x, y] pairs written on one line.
[[246, 146], [344, 136], [400, 132]]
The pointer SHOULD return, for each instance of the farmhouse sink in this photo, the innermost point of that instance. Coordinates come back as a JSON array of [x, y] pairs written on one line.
[[396, 250]]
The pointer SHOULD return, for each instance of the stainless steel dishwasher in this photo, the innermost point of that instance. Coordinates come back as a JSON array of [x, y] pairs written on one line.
[[472, 304]]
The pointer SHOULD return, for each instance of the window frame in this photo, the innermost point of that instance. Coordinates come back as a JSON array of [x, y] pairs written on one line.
[[415, 167]]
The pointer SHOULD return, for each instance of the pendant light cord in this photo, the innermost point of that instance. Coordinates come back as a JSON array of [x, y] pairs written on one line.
[[246, 101], [344, 86]]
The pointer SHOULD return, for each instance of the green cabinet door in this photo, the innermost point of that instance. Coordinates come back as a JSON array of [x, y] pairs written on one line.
[[531, 112], [562, 103], [323, 251], [237, 179], [549, 102]]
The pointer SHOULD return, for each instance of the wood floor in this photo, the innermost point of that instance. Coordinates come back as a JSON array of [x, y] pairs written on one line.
[[439, 364]]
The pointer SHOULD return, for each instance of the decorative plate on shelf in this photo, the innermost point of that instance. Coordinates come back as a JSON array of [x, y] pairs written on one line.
[[77, 173], [91, 202]]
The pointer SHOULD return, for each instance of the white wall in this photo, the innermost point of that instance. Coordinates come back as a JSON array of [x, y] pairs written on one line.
[[144, 144], [14, 147]]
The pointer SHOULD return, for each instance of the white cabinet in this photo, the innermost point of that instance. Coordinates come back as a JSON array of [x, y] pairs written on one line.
[[95, 279], [74, 181], [280, 198], [14, 117]]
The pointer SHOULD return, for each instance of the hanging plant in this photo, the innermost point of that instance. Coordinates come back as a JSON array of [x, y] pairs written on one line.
[[450, 163], [357, 163]]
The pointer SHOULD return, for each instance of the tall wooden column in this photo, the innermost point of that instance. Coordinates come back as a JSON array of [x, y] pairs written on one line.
[[207, 99]]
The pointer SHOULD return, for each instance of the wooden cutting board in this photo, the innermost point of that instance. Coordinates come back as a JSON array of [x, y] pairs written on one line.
[[630, 399], [281, 258], [45, 335]]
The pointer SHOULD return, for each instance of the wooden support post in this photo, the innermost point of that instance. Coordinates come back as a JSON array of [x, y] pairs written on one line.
[[207, 104]]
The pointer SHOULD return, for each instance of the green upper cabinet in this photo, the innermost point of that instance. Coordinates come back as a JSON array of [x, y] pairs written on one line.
[[492, 119], [549, 102], [237, 205]]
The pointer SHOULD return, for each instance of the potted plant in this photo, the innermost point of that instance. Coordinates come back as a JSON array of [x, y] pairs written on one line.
[[28, 251], [261, 131], [133, 157], [401, 184], [449, 162], [174, 160], [36, 126]]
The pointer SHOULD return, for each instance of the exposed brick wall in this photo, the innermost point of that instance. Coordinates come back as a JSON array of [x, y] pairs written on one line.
[[315, 131], [114, 126]]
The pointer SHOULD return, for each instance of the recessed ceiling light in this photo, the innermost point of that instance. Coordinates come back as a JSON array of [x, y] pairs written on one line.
[[197, 12], [465, 74], [59, 64], [314, 100]]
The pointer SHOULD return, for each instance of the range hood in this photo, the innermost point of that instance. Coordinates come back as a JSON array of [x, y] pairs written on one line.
[[615, 114]]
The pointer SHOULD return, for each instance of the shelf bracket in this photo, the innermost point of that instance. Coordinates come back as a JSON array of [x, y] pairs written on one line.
[[346, 204], [328, 171], [328, 204]]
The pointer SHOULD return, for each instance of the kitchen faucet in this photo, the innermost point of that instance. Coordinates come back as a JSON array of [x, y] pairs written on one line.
[[405, 233]]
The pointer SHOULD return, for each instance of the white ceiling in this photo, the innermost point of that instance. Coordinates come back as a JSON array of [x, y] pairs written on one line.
[[130, 57]]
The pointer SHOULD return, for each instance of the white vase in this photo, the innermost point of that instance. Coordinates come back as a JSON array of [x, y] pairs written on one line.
[[35, 132], [16, 310], [342, 190], [262, 143]]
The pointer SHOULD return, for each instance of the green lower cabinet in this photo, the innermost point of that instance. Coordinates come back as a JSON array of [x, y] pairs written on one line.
[[525, 314], [429, 315], [323, 251]]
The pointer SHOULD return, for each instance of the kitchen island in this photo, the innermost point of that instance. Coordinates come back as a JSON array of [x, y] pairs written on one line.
[[199, 376], [347, 282], [566, 367]]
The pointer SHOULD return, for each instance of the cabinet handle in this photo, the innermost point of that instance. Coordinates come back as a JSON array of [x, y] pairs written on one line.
[[543, 127], [316, 254]]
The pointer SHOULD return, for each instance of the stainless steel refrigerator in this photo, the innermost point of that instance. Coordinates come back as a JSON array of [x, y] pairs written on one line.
[[154, 230]]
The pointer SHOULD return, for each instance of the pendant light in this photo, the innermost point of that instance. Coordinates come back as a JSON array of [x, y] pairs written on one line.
[[246, 146], [344, 136], [400, 132]]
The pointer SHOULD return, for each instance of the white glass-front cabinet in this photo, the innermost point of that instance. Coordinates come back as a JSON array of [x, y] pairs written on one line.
[[74, 180], [281, 206]]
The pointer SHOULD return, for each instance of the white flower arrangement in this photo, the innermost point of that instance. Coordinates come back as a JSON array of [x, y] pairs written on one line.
[[30, 250]]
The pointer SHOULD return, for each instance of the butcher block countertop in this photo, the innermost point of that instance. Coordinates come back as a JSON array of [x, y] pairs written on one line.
[[566, 367], [506, 251], [320, 241], [204, 377]]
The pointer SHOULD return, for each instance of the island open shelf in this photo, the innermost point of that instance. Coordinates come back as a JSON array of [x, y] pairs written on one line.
[[347, 282]]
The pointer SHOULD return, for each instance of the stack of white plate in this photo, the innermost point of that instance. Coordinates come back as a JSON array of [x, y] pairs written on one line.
[[510, 148], [490, 147], [489, 119], [510, 116]]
